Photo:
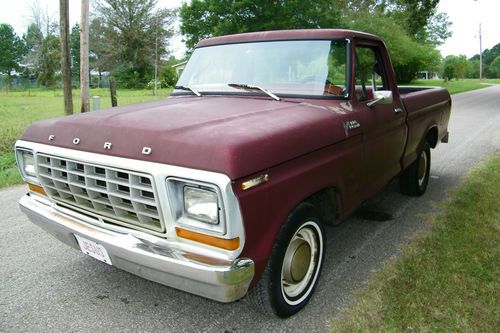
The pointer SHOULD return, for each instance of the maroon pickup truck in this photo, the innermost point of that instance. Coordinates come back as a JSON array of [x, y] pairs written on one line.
[[225, 188]]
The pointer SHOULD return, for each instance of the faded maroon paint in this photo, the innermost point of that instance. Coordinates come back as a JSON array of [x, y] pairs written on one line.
[[426, 109], [266, 207], [300, 143], [232, 135]]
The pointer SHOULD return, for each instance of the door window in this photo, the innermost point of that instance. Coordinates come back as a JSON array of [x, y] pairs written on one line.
[[370, 75]]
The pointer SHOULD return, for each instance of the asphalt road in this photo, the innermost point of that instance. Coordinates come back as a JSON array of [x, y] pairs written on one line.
[[46, 286]]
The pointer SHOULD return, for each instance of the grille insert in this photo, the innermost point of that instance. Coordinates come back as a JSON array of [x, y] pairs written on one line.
[[116, 196]]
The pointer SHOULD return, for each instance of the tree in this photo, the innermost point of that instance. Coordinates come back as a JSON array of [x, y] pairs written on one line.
[[436, 31], [414, 15], [84, 57], [102, 56], [461, 66], [488, 56], [201, 19], [48, 61], [419, 18], [408, 56], [168, 74], [495, 66], [132, 28], [42, 45], [474, 69], [456, 67], [449, 67], [12, 49], [75, 51], [411, 28]]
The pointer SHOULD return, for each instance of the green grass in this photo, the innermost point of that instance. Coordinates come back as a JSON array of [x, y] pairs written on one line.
[[456, 86], [447, 280], [9, 175], [19, 109]]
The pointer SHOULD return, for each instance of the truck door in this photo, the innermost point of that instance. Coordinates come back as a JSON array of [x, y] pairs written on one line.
[[383, 123]]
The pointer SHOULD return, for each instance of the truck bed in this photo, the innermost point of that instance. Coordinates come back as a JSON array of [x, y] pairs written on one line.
[[426, 107], [404, 90]]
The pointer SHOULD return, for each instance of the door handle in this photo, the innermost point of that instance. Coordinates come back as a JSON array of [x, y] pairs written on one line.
[[398, 110]]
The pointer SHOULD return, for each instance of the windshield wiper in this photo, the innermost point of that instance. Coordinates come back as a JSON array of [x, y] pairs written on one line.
[[250, 87], [188, 88]]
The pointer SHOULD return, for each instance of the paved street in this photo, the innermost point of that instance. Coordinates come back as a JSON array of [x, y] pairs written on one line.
[[46, 286]]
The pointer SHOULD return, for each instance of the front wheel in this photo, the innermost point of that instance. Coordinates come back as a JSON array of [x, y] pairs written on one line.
[[415, 178], [292, 272]]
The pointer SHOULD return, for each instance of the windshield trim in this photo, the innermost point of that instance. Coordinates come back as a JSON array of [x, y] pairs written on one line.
[[260, 94], [274, 40]]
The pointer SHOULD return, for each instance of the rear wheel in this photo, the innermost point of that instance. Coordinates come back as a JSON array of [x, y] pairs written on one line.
[[292, 272], [415, 178]]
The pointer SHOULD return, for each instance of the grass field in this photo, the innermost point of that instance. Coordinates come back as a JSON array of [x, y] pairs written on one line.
[[447, 280], [19, 109], [456, 86]]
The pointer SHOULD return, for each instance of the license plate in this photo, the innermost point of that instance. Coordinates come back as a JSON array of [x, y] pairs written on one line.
[[93, 249]]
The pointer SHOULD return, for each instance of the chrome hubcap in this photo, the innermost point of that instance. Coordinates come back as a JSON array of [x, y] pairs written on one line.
[[422, 168], [300, 265]]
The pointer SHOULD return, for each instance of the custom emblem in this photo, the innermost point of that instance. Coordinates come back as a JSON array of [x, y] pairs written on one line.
[[146, 151], [76, 141], [351, 124], [51, 137], [107, 145]]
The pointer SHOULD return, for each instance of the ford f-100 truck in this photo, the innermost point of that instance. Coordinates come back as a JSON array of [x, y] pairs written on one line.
[[224, 189]]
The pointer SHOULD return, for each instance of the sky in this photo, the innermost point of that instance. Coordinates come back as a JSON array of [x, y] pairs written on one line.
[[465, 15]]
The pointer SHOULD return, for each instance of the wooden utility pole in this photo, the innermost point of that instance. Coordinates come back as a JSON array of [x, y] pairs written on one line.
[[156, 55], [65, 56], [480, 54], [84, 57], [112, 91]]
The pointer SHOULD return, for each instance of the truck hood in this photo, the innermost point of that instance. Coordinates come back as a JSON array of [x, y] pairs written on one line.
[[233, 135]]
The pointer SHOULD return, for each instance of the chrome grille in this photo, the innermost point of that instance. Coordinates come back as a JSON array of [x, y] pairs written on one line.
[[116, 196]]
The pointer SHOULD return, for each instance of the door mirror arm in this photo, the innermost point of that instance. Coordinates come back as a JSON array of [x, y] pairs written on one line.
[[371, 103], [380, 97]]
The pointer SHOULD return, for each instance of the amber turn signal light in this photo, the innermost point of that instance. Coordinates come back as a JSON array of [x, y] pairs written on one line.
[[37, 189], [226, 244]]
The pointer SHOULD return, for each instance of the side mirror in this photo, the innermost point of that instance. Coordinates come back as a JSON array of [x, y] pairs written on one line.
[[380, 97]]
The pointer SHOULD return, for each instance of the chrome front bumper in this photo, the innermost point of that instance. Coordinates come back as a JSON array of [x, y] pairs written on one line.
[[212, 278]]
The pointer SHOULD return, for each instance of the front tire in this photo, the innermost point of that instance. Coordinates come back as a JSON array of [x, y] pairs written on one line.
[[293, 270], [415, 178]]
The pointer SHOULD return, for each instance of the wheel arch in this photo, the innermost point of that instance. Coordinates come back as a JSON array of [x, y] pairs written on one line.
[[327, 202], [431, 137]]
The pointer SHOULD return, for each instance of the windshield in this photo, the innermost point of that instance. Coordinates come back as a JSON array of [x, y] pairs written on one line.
[[300, 68]]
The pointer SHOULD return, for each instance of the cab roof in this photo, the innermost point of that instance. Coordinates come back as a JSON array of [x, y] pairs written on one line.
[[297, 34]]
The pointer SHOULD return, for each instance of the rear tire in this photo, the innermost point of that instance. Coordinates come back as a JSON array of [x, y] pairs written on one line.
[[293, 270], [415, 178]]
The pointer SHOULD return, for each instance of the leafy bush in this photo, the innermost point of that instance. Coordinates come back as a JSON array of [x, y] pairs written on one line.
[[128, 78], [168, 76]]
